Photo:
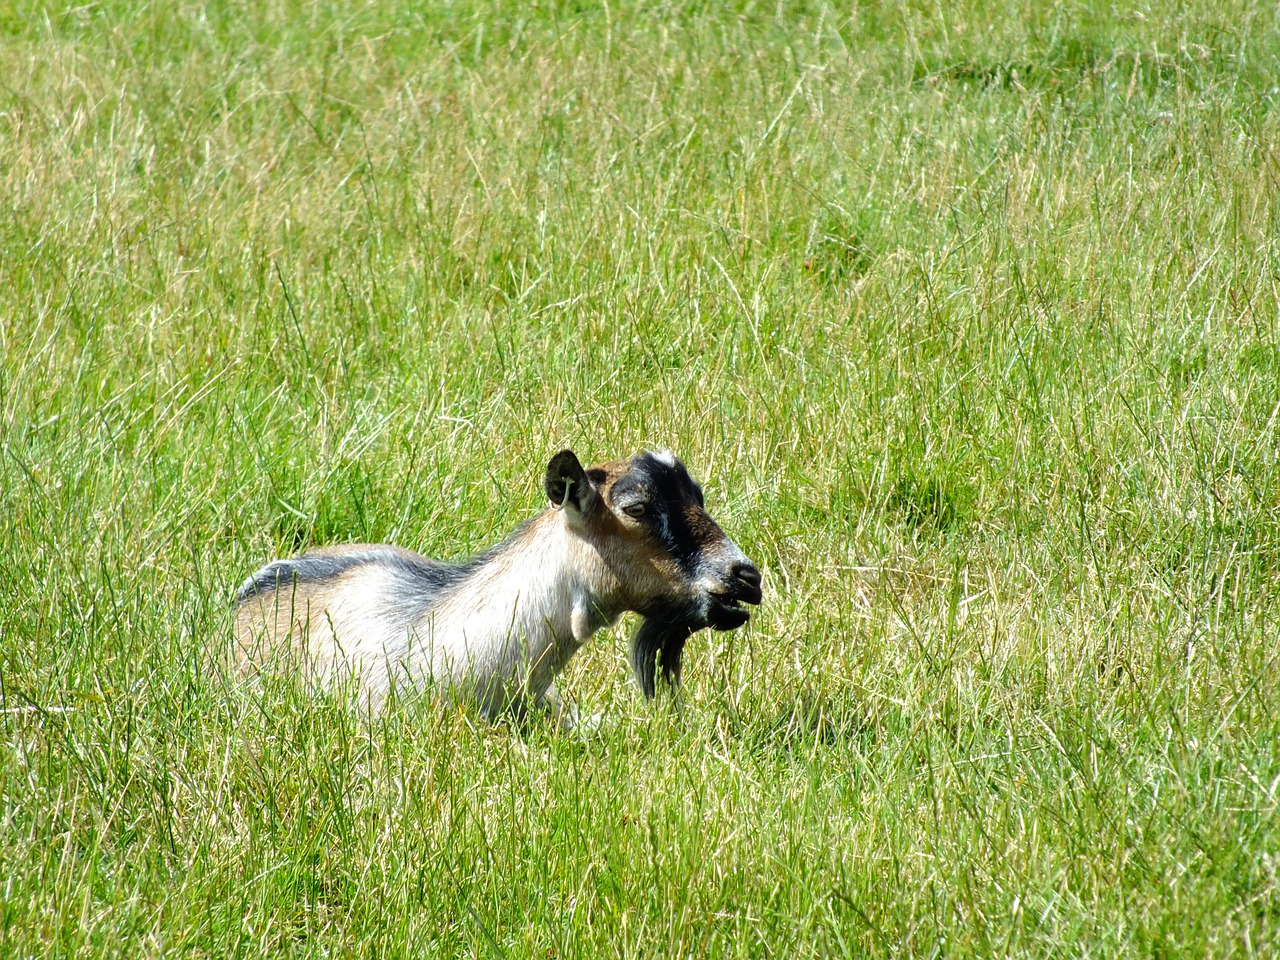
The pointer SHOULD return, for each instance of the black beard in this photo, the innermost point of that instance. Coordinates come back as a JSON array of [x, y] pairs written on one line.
[[659, 637]]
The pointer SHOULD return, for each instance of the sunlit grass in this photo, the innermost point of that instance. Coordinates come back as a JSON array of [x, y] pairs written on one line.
[[967, 318]]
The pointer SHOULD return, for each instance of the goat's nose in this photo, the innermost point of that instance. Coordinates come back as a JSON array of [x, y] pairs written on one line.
[[748, 574]]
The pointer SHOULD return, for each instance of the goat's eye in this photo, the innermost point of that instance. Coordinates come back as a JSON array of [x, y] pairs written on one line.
[[635, 510]]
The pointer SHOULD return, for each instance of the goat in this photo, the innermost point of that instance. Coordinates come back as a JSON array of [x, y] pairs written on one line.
[[630, 535]]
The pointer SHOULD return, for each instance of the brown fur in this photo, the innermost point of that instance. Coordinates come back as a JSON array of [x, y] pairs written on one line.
[[278, 624]]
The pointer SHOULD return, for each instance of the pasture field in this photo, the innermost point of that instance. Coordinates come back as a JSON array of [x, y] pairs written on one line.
[[966, 314]]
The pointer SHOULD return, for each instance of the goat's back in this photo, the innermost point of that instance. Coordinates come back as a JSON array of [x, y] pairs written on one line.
[[354, 603]]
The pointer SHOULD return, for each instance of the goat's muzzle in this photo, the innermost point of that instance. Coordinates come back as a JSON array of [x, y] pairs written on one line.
[[742, 586]]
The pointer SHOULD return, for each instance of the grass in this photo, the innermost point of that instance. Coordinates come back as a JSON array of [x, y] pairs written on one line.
[[966, 315]]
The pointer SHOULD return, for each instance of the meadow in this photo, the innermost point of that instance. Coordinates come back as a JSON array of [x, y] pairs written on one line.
[[965, 314]]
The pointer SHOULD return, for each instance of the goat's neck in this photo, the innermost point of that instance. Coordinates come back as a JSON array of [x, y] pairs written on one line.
[[539, 596]]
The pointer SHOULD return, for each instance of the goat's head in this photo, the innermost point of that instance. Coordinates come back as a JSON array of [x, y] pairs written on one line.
[[671, 561]]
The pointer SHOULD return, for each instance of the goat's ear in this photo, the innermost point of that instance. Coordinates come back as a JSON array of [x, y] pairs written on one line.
[[568, 486]]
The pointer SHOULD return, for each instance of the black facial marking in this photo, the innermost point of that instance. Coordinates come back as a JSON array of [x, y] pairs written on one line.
[[629, 486], [676, 515]]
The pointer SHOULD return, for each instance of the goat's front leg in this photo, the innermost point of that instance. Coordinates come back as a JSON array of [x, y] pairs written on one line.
[[566, 715]]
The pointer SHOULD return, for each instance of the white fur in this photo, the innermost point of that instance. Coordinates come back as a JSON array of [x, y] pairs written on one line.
[[500, 636]]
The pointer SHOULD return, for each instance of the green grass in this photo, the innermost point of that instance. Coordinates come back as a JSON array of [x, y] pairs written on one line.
[[966, 315]]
